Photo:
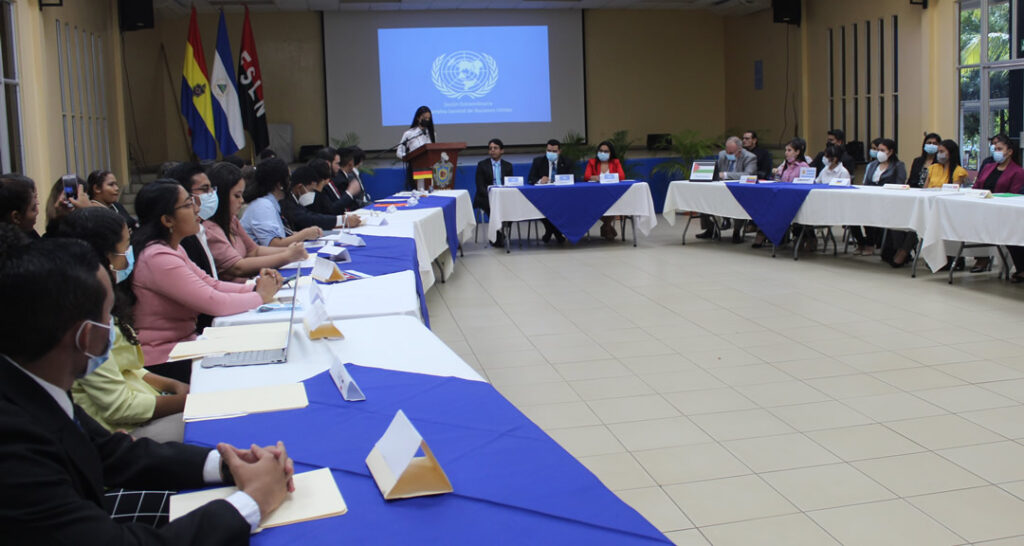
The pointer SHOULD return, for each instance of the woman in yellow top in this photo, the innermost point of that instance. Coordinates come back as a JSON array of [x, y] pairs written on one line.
[[121, 394], [946, 169]]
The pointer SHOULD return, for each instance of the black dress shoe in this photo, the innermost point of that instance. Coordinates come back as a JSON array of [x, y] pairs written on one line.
[[726, 224], [737, 239], [547, 237], [705, 234], [560, 238]]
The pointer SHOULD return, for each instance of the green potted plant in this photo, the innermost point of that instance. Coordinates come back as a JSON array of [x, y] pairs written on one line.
[[575, 149], [686, 146]]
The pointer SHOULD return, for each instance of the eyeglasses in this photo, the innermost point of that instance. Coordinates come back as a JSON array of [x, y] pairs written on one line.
[[193, 203]]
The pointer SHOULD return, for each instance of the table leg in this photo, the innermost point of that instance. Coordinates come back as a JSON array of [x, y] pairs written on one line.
[[689, 218], [799, 239], [508, 237], [917, 254], [632, 220]]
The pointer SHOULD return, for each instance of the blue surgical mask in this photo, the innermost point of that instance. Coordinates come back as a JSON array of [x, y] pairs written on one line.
[[931, 148], [991, 148], [122, 274], [95, 361], [208, 203], [998, 156], [552, 156], [730, 157], [603, 156], [873, 154]]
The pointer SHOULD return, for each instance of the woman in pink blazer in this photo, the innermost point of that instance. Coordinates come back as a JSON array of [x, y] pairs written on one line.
[[172, 291]]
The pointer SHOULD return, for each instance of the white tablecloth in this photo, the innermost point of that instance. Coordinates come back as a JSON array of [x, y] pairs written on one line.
[[959, 217], [510, 205], [392, 294], [394, 343], [464, 219], [427, 227]]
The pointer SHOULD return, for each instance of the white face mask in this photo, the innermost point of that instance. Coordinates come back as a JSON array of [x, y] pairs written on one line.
[[883, 157], [307, 198]]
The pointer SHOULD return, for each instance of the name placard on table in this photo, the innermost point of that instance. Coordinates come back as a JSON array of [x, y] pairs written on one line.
[[609, 178], [565, 179], [513, 181]]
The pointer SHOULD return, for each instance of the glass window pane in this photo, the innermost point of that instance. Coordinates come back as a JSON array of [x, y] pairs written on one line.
[[998, 30], [970, 33], [970, 125], [7, 43], [13, 126], [998, 84], [1000, 118], [970, 84]]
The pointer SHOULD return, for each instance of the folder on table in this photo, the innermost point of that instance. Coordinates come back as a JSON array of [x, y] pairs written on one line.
[[316, 496], [233, 339], [236, 403]]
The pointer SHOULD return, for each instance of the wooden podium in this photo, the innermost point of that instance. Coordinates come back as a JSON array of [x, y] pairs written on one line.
[[440, 158]]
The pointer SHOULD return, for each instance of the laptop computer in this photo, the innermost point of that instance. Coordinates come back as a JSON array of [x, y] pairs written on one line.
[[252, 358]]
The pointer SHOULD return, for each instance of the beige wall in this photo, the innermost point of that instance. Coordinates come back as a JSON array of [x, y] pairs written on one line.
[[927, 65], [654, 72], [753, 38], [42, 128], [290, 50]]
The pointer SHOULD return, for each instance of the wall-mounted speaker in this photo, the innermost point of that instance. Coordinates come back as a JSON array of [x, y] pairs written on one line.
[[135, 14], [786, 11]]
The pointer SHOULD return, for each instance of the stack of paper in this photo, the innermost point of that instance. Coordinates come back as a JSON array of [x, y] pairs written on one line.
[[233, 339], [224, 404], [316, 496]]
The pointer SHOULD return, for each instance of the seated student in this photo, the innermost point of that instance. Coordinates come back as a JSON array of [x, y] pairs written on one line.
[[104, 191], [171, 290], [886, 168], [301, 195], [764, 157], [918, 177], [794, 153], [946, 169], [349, 160], [832, 167], [1002, 175], [19, 203], [838, 138], [358, 156], [491, 172], [605, 162], [262, 219], [340, 195], [236, 255], [63, 472], [543, 171], [266, 154], [121, 394], [193, 178]]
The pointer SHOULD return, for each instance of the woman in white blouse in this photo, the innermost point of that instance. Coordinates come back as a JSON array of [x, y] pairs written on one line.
[[420, 132]]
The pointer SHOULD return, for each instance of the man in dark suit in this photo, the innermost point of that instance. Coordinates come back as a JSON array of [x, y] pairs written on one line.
[[543, 171], [300, 197], [837, 137], [764, 157], [340, 195], [58, 461], [491, 172]]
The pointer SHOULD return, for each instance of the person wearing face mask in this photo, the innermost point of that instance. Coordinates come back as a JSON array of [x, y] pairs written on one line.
[[1002, 175], [605, 162], [886, 168], [237, 256], [121, 394], [946, 169], [64, 473], [836, 137], [420, 133], [733, 162], [918, 176], [172, 291], [104, 191], [543, 171], [832, 167], [193, 178], [295, 206], [262, 219], [991, 150]]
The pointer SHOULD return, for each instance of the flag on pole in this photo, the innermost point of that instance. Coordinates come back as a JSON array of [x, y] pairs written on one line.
[[196, 105], [250, 89], [227, 115]]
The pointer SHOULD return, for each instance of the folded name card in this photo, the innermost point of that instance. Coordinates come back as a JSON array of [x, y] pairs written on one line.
[[808, 172], [346, 385], [748, 179], [609, 178], [896, 186], [803, 180], [951, 187], [564, 179], [399, 473], [373, 220], [513, 181], [839, 182], [335, 254]]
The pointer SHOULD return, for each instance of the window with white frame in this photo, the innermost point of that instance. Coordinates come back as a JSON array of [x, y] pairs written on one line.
[[83, 97], [11, 158]]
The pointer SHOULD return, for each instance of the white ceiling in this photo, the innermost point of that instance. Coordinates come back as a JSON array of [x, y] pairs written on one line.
[[172, 8]]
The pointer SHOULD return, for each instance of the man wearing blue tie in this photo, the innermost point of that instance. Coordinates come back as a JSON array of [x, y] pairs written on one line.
[[491, 172]]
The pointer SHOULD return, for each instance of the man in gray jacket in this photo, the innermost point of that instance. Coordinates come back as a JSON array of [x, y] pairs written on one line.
[[733, 162]]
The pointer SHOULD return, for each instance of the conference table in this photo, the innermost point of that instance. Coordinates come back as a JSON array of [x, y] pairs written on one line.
[[905, 209], [572, 208], [964, 218], [512, 483]]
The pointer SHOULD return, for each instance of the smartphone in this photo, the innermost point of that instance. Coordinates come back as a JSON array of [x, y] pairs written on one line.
[[70, 182]]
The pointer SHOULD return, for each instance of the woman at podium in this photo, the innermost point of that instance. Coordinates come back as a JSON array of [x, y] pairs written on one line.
[[420, 132]]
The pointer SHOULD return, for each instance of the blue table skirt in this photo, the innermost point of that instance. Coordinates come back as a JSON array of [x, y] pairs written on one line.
[[382, 256], [447, 206], [773, 206], [573, 209], [512, 483]]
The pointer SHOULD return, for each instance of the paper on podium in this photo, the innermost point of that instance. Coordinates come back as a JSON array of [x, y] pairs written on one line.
[[233, 339], [316, 496], [399, 473], [225, 404]]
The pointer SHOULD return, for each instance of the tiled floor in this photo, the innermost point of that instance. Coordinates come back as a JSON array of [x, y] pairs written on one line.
[[732, 398]]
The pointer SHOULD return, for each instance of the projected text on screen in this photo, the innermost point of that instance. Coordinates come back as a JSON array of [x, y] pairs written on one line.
[[465, 74]]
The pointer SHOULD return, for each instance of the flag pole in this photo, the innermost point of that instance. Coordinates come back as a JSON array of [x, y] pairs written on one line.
[[181, 119]]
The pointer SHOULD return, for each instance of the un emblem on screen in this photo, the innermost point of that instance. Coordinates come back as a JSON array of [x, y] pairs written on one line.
[[464, 74]]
